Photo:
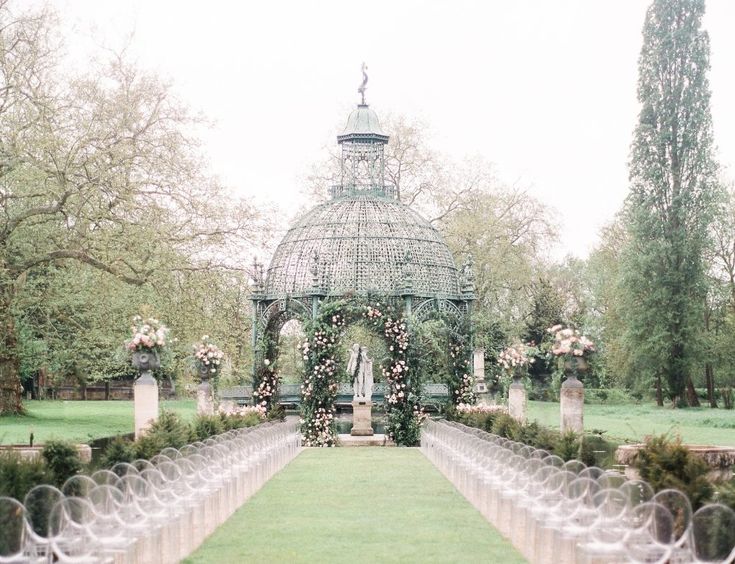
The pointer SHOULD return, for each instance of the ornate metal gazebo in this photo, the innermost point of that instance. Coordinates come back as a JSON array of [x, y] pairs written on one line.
[[363, 243]]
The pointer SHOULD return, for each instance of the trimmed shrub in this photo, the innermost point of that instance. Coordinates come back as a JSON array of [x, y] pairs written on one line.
[[725, 494], [505, 426], [204, 426], [168, 431], [567, 446], [666, 463], [230, 422], [18, 476], [119, 450], [62, 460]]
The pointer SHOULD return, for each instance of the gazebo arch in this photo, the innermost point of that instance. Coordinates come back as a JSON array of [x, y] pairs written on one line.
[[361, 250]]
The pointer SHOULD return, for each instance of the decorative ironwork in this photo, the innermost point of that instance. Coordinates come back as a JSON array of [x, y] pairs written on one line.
[[363, 242]]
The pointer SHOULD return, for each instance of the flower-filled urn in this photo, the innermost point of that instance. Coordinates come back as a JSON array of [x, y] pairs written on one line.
[[146, 360], [208, 358], [149, 337]]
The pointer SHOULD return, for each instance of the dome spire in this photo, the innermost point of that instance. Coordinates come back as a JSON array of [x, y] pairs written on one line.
[[363, 86]]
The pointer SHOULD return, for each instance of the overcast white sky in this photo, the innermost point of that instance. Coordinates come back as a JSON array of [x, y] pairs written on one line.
[[546, 90]]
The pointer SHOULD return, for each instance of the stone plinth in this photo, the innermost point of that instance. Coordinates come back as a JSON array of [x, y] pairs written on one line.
[[372, 441], [517, 402], [572, 405], [362, 418], [145, 392], [205, 403], [719, 459]]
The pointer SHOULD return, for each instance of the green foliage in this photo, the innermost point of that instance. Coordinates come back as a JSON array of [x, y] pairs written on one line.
[[168, 431], [505, 426], [673, 199], [120, 449], [18, 476], [479, 420], [567, 445], [205, 426], [62, 459], [230, 422], [666, 463], [725, 494]]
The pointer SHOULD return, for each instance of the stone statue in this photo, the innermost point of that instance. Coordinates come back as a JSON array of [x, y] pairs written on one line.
[[366, 375], [360, 367], [353, 368]]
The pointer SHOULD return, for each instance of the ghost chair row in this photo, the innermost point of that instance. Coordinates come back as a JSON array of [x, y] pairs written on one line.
[[555, 511], [148, 511]]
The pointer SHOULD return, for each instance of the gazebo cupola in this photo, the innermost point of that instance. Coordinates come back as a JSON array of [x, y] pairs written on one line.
[[363, 160]]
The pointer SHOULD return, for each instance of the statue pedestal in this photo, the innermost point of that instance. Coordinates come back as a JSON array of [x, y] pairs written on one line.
[[517, 402], [205, 404], [362, 419], [145, 392], [572, 405]]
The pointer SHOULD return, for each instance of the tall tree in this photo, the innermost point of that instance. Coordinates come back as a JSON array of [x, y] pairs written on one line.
[[96, 169], [673, 197]]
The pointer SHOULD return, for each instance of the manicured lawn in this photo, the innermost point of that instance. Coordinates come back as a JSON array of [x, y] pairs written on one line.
[[633, 422], [357, 505], [79, 421]]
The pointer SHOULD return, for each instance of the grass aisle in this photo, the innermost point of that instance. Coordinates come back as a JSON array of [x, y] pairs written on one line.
[[357, 505]]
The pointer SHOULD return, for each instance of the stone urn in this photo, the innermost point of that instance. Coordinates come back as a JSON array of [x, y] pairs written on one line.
[[204, 373], [146, 361], [517, 376], [574, 366]]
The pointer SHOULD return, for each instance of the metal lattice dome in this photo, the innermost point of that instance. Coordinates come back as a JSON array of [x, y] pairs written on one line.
[[362, 242]]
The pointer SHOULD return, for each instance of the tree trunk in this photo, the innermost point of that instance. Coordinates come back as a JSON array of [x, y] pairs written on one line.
[[692, 398], [10, 388], [709, 378], [659, 391]]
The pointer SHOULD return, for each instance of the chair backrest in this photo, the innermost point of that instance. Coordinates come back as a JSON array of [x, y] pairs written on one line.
[[713, 529], [681, 510], [105, 478], [38, 503], [78, 486], [70, 527], [12, 528]]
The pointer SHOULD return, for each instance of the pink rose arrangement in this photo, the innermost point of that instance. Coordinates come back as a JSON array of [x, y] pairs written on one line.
[[148, 335]]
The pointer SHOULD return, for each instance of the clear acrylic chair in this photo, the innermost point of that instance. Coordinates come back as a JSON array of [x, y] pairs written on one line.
[[651, 538], [13, 531], [713, 532], [38, 503]]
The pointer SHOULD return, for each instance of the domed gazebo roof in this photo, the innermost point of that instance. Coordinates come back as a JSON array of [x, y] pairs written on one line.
[[362, 242]]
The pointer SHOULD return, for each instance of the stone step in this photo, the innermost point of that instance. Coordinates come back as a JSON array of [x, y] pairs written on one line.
[[372, 441]]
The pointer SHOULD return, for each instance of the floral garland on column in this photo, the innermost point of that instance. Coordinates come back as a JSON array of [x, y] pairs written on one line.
[[463, 383], [402, 404], [266, 380], [319, 388]]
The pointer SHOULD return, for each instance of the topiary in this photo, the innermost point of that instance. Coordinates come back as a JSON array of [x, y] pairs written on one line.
[[666, 463], [62, 458]]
